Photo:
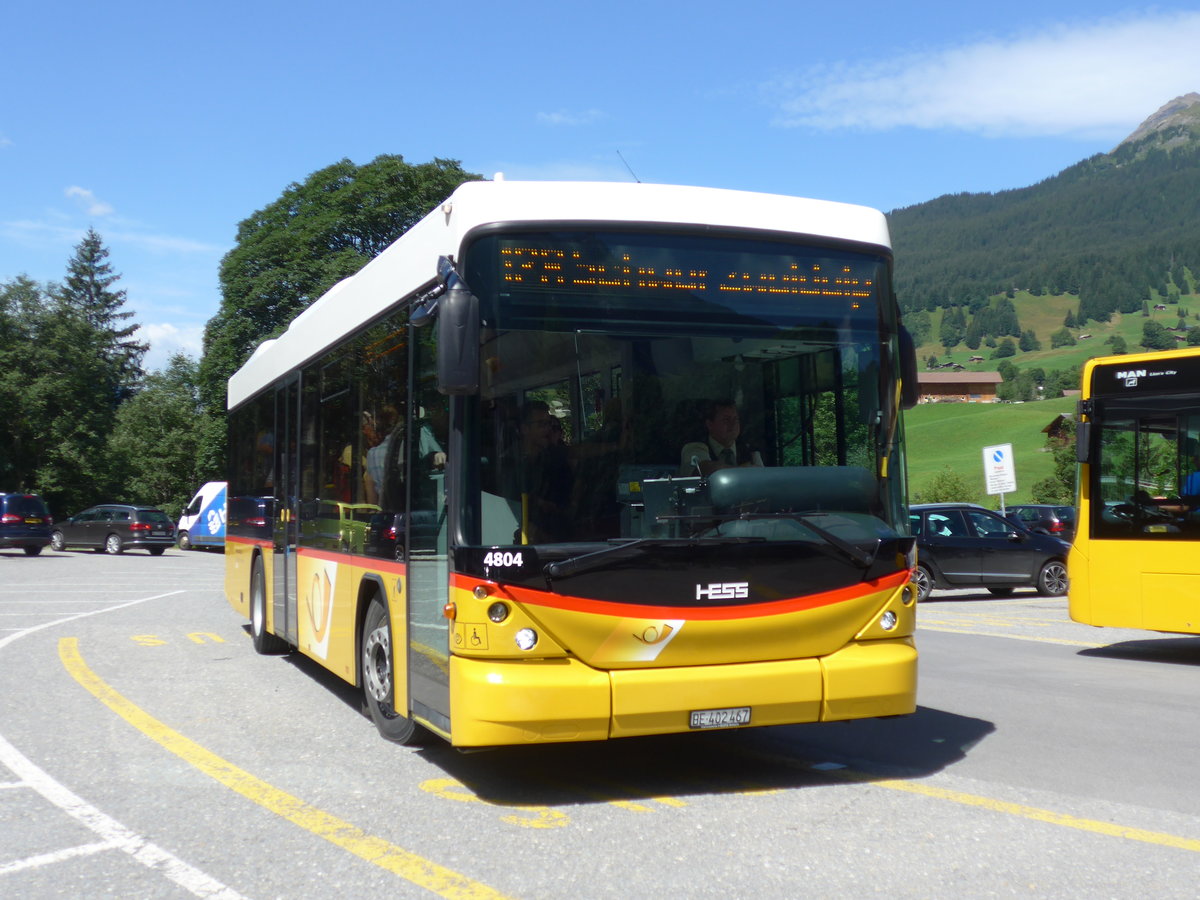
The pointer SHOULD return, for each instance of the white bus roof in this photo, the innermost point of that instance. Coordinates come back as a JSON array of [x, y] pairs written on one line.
[[410, 263]]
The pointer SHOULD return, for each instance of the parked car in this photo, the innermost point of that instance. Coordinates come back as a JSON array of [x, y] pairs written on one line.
[[961, 545], [1045, 518], [24, 522], [115, 528]]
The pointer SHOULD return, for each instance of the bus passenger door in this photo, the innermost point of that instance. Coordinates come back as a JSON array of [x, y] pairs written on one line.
[[286, 520], [426, 542]]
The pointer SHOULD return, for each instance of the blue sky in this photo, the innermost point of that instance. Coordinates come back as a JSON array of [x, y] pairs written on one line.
[[163, 126]]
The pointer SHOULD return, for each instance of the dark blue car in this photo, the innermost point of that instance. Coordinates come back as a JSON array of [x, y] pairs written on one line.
[[961, 545], [24, 523]]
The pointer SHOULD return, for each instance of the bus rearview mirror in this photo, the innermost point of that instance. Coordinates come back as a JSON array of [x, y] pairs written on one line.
[[1083, 441], [458, 339]]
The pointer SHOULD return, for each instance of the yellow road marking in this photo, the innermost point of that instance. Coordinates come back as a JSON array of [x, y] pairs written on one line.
[[1041, 815], [1034, 813], [1014, 637], [387, 856], [453, 789]]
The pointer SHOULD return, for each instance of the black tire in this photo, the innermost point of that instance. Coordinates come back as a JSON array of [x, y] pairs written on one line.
[[377, 678], [57, 541], [113, 545], [924, 581], [32, 551], [1000, 591], [264, 642], [1052, 580], [185, 541], [157, 551]]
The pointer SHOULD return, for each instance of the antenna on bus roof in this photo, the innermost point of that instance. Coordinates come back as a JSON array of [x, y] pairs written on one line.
[[630, 168]]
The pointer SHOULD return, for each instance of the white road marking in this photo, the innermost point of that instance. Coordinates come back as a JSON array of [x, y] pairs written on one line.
[[113, 834]]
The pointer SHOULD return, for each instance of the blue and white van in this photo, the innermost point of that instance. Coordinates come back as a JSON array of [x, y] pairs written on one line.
[[203, 522]]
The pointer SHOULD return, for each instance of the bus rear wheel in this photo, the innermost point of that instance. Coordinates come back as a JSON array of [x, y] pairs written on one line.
[[264, 642], [378, 677]]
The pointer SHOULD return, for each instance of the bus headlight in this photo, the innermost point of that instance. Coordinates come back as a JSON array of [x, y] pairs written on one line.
[[888, 620], [526, 638], [498, 612]]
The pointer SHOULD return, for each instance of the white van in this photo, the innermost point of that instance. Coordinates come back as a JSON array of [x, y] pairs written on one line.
[[203, 522]]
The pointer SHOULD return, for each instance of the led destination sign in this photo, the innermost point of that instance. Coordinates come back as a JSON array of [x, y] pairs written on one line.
[[603, 267]]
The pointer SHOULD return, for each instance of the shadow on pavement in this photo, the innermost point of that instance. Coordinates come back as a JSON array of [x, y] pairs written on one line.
[[1184, 651]]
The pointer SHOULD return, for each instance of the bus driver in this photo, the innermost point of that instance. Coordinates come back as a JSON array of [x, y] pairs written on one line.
[[721, 449]]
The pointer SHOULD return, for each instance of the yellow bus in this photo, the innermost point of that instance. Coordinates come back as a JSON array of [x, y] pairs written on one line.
[[1134, 561], [462, 481]]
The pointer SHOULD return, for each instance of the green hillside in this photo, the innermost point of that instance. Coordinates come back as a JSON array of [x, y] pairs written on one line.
[[953, 435], [1102, 237], [1044, 316]]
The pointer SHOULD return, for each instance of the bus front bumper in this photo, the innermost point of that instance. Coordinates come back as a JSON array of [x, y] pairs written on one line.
[[504, 702]]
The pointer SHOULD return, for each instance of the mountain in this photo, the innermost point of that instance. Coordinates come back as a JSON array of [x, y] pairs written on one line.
[[1117, 230], [1173, 125]]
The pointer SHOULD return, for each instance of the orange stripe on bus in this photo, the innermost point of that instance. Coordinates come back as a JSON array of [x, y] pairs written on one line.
[[532, 597]]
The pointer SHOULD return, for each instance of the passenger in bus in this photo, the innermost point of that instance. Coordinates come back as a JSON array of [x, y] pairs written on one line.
[[545, 476], [386, 426], [721, 448], [1191, 484], [384, 464]]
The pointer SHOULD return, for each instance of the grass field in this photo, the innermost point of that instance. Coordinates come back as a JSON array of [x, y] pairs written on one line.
[[1044, 316], [953, 435]]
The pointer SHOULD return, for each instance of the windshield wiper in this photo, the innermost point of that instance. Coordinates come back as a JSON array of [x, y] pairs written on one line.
[[585, 562], [853, 552], [856, 553]]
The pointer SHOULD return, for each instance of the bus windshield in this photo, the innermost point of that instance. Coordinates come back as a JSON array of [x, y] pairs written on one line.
[[1145, 453], [640, 386]]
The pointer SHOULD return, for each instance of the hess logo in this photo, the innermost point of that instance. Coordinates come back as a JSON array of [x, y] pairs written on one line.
[[728, 590]]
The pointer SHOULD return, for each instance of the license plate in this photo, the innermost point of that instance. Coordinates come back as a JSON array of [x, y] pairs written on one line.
[[158, 533], [33, 521], [720, 718]]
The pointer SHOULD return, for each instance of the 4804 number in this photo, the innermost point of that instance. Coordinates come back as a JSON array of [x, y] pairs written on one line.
[[507, 559]]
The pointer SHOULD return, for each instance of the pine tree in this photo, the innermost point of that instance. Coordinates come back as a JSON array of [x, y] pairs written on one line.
[[88, 289]]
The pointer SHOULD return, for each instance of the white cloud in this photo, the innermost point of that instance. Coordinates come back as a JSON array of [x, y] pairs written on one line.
[[563, 117], [166, 340], [567, 170], [1096, 81], [31, 233], [161, 243], [5, 142], [88, 202]]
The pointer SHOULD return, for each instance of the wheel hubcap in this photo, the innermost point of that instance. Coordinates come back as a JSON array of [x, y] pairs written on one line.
[[377, 665], [257, 612], [921, 580], [1056, 578]]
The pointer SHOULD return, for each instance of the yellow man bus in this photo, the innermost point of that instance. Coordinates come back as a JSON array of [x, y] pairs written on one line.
[[1134, 560], [458, 479]]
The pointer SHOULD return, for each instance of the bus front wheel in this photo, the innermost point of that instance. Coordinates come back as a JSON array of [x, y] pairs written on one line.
[[378, 677]]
